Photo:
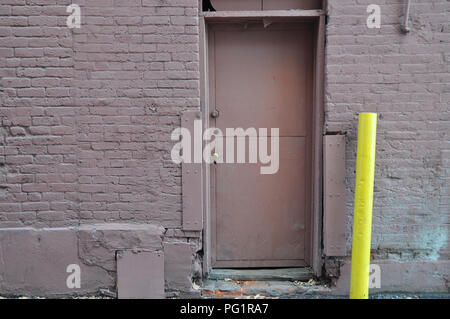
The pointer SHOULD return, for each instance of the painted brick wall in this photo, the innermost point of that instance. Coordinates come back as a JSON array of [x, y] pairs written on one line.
[[136, 67], [87, 113], [38, 140], [406, 79]]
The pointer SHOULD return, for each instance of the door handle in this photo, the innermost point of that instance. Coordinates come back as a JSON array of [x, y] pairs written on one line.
[[215, 114]]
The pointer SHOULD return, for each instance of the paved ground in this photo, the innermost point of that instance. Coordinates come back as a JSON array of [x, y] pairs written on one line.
[[306, 296], [291, 290], [228, 288]]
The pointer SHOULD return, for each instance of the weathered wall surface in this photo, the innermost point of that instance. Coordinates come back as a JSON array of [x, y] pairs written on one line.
[[87, 113], [405, 78], [39, 168], [34, 261], [86, 116]]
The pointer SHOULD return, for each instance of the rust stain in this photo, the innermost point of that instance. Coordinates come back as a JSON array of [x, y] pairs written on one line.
[[222, 293], [251, 283]]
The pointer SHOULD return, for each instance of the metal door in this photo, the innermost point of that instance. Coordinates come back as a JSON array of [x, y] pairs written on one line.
[[261, 77]]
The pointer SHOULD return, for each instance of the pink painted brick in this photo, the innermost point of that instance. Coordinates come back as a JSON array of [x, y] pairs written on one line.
[[87, 113]]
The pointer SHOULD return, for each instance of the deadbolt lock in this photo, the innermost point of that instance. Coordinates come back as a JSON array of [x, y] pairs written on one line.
[[215, 114]]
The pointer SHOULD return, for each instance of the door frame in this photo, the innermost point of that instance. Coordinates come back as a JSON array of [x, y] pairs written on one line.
[[317, 18]]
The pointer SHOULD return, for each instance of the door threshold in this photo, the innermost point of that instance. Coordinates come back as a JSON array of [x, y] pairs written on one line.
[[276, 274]]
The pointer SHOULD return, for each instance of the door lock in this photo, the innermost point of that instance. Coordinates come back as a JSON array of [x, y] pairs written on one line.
[[215, 114], [215, 157]]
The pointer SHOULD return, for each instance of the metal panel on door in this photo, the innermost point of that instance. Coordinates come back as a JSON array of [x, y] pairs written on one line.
[[261, 78]]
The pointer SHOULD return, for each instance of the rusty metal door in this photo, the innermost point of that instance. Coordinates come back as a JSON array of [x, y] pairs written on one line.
[[261, 77]]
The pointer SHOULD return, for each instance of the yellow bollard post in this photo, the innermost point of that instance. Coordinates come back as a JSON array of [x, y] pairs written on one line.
[[362, 219]]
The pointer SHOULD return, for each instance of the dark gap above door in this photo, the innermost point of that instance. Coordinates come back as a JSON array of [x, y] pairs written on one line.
[[258, 5]]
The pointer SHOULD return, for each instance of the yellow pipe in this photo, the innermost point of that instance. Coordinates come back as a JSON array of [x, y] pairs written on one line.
[[362, 220]]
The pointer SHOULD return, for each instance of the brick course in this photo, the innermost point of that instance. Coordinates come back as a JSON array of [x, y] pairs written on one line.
[[87, 113], [405, 79]]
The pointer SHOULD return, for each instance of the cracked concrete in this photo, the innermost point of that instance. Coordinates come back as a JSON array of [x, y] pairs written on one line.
[[98, 243], [229, 288], [33, 261]]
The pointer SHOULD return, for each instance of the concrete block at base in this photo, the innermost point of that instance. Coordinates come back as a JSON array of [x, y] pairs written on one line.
[[99, 242], [178, 266], [398, 276], [33, 262], [140, 275]]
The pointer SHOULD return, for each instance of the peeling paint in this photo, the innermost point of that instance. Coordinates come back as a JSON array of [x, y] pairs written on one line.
[[433, 240]]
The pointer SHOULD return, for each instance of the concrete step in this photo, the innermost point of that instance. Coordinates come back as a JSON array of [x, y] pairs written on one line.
[[275, 274], [262, 289]]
